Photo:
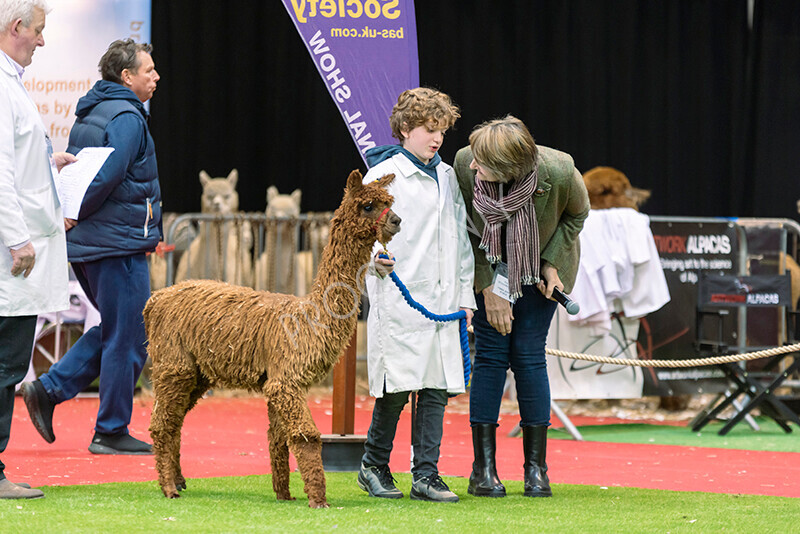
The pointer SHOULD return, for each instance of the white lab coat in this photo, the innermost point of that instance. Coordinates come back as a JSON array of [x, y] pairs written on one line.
[[29, 206], [406, 351]]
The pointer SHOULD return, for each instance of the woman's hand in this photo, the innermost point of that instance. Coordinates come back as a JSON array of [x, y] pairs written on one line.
[[69, 224], [549, 281], [498, 311]]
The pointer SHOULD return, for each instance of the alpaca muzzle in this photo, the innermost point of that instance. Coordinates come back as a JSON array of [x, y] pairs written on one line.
[[391, 226]]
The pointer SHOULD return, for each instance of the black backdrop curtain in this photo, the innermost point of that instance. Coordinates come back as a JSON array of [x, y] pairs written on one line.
[[678, 94]]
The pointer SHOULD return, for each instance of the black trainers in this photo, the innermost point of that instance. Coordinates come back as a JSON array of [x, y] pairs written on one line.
[[378, 482], [121, 443], [432, 488], [40, 408]]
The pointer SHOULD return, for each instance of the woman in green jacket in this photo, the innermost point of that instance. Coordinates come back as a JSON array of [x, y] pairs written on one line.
[[527, 205]]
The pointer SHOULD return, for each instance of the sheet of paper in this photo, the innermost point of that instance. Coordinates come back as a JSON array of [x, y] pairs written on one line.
[[74, 179]]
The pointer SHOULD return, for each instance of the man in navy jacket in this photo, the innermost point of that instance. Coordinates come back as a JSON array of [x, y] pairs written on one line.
[[119, 222]]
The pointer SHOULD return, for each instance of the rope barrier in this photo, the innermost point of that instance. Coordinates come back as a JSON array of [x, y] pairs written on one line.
[[699, 362]]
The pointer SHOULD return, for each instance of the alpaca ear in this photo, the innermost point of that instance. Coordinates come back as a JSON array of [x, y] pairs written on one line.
[[296, 195], [385, 180], [204, 178], [354, 181], [233, 177], [272, 192]]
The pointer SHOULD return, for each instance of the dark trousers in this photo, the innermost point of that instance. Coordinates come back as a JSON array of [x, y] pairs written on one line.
[[522, 351], [115, 350], [16, 344], [426, 436]]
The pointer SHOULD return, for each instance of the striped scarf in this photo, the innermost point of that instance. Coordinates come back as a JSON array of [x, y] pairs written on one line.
[[522, 232]]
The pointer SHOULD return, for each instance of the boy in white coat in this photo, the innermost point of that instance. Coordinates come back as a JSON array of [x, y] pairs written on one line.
[[406, 351]]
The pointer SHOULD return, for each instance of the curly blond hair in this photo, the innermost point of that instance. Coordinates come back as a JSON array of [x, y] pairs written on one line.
[[420, 106]]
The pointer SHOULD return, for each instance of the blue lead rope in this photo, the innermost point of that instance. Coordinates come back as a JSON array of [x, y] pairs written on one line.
[[461, 315]]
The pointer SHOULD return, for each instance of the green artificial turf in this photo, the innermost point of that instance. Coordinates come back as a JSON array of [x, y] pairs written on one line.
[[248, 504], [769, 438]]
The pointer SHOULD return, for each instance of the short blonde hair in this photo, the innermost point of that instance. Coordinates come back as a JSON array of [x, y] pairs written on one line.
[[505, 147], [418, 107]]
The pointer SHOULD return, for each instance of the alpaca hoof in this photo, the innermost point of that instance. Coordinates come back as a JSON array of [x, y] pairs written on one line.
[[318, 504], [286, 498], [170, 493], [180, 486]]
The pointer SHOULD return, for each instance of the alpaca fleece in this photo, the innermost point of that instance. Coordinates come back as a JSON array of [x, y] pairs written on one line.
[[205, 334]]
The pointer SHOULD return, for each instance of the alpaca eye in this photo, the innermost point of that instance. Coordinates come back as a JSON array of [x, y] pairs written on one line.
[[368, 208]]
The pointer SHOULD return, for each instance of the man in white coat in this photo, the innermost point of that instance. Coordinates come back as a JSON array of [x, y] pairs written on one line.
[[33, 253]]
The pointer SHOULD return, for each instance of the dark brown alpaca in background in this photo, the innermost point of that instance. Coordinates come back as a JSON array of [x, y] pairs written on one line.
[[610, 188], [205, 334]]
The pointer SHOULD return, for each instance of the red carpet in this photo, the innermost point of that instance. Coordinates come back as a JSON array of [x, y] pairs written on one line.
[[227, 436]]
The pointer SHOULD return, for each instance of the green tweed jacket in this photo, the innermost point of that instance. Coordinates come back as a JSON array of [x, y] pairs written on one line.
[[561, 202]]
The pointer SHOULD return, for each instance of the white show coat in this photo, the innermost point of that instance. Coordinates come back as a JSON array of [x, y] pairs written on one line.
[[406, 351], [29, 206]]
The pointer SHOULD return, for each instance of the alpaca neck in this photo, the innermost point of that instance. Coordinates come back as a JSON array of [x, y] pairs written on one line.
[[337, 287]]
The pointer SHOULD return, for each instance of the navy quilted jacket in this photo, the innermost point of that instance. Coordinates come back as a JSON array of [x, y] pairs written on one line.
[[121, 212]]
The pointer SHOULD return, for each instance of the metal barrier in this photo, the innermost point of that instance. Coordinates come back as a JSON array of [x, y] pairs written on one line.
[[277, 254]]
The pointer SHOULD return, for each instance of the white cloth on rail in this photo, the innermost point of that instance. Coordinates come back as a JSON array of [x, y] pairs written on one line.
[[620, 270]]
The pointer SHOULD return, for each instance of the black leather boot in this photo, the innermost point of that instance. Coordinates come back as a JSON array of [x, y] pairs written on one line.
[[534, 444], [484, 482]]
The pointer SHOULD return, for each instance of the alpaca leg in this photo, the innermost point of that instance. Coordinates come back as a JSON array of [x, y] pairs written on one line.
[[197, 394], [279, 456], [172, 401], [304, 442]]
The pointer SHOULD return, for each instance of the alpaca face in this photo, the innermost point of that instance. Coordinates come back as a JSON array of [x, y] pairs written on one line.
[[219, 194], [279, 205], [373, 204]]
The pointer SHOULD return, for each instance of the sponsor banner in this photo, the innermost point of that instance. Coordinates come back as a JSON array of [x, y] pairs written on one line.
[[686, 249], [77, 33], [366, 53], [751, 291]]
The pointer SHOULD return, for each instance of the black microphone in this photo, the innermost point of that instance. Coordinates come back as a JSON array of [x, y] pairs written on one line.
[[571, 306]]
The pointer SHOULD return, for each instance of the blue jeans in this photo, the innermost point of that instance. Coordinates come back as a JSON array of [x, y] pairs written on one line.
[[522, 351], [115, 350], [426, 436]]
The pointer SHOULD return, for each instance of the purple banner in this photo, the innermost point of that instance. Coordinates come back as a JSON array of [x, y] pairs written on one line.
[[366, 53]]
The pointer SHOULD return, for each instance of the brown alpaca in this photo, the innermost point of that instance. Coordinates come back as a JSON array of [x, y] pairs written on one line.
[[610, 188], [205, 334]]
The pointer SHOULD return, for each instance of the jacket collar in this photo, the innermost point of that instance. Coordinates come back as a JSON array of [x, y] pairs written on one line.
[[7, 67], [407, 168]]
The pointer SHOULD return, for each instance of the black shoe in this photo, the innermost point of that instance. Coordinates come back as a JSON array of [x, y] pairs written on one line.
[[121, 443], [40, 408], [432, 488], [378, 482]]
